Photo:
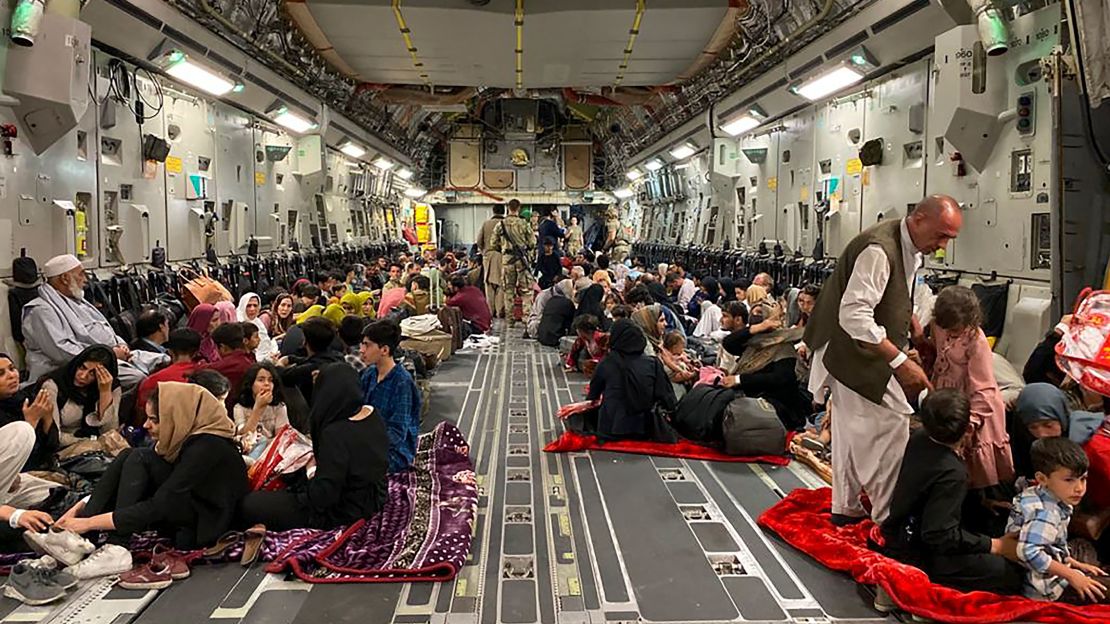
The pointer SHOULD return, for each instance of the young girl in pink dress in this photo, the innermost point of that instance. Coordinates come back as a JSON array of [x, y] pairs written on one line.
[[965, 363]]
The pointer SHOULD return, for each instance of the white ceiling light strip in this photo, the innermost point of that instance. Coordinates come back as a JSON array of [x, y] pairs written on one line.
[[683, 150], [632, 33], [828, 82]]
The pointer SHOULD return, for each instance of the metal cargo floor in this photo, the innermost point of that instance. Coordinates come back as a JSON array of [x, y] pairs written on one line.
[[578, 538]]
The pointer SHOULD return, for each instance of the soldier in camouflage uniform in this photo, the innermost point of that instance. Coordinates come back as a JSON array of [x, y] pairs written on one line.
[[489, 243], [615, 244], [517, 237]]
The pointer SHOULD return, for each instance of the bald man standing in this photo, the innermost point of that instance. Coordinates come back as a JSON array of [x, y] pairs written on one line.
[[859, 332]]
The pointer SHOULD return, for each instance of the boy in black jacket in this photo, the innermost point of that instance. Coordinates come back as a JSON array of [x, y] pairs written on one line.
[[924, 528]]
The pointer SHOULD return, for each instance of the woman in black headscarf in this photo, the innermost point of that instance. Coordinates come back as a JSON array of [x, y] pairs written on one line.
[[590, 302], [351, 447], [630, 385], [728, 290], [710, 291], [670, 308], [86, 395]]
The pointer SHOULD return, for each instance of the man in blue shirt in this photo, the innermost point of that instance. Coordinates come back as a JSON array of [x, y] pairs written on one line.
[[549, 228], [391, 391]]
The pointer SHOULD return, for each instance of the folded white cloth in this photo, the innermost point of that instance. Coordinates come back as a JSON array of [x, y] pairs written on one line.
[[415, 326]]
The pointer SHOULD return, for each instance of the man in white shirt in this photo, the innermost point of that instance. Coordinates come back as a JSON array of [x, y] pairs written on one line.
[[681, 288], [859, 334]]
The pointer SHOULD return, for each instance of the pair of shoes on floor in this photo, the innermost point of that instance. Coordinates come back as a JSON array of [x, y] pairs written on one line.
[[165, 566], [37, 582], [82, 559]]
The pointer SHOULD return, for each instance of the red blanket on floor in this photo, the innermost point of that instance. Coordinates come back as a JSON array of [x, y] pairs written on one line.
[[802, 519], [571, 441]]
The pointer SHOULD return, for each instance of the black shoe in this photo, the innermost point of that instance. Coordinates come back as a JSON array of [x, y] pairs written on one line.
[[841, 520]]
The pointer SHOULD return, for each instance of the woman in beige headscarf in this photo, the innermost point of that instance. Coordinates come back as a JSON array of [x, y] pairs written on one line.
[[756, 295], [650, 319], [192, 480]]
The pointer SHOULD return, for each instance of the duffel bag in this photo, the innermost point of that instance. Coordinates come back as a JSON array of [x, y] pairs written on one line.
[[751, 427], [699, 413]]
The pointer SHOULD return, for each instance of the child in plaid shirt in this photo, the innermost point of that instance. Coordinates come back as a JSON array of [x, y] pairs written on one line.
[[1040, 516]]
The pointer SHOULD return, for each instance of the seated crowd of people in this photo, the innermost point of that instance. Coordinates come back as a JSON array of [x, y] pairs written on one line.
[[98, 436], [990, 493], [994, 474]]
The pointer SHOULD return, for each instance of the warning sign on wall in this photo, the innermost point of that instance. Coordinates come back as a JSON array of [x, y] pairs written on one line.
[[173, 164]]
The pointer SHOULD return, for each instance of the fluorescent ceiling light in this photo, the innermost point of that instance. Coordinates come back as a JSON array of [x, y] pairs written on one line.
[[293, 121], [404, 173], [740, 125], [634, 174], [623, 193], [828, 83], [415, 193], [193, 74], [685, 150], [353, 150], [383, 163], [653, 165]]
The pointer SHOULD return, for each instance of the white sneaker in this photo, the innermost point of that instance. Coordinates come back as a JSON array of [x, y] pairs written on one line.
[[109, 560], [65, 546]]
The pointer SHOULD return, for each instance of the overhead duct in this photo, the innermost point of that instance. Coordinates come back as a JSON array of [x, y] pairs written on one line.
[[621, 96], [987, 17], [993, 31], [417, 96]]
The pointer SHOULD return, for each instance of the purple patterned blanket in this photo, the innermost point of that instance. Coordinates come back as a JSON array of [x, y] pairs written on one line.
[[422, 534]]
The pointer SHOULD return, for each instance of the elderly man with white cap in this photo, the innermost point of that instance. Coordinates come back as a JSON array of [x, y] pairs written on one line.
[[61, 324]]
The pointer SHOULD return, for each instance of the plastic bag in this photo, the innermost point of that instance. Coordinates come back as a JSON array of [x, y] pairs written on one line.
[[287, 453], [1084, 350]]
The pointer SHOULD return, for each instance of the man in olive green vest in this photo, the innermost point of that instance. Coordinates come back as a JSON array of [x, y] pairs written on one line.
[[858, 334], [490, 246]]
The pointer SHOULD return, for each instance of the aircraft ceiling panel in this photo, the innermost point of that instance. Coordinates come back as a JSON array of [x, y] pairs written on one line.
[[562, 46]]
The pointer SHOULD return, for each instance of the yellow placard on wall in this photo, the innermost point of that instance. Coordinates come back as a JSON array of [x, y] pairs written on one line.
[[173, 164], [803, 194], [853, 166], [772, 183], [260, 178]]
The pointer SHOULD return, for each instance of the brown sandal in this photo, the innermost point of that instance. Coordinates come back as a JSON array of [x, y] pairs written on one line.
[[253, 545], [227, 540]]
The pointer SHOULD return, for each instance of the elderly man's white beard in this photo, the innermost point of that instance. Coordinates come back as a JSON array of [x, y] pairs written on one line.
[[70, 289]]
